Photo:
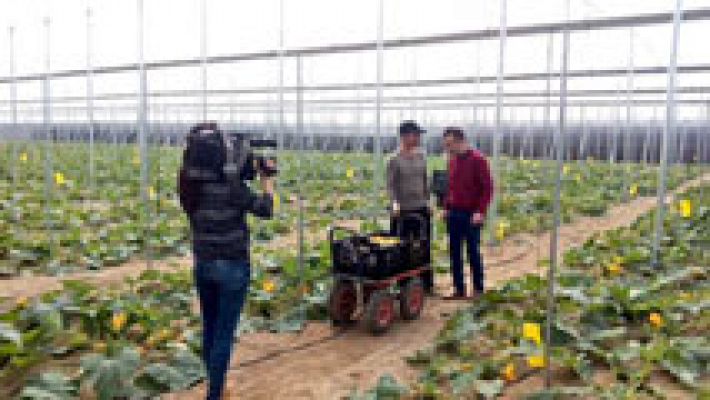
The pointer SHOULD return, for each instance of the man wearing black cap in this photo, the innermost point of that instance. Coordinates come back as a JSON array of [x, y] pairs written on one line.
[[408, 190]]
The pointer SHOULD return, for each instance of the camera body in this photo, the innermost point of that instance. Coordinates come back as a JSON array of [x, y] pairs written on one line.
[[213, 155], [440, 186], [247, 158]]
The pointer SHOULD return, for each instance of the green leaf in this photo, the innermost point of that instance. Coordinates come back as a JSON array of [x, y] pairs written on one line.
[[489, 389], [49, 386], [462, 383], [388, 388], [10, 334]]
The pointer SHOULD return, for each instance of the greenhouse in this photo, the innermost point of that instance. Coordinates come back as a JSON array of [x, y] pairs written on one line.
[[567, 140]]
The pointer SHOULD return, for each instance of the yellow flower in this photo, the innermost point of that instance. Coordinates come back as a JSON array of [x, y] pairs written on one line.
[[151, 193], [164, 334], [614, 269], [118, 321], [350, 173], [565, 169], [634, 190], [23, 157], [532, 332], [305, 290], [509, 372], [685, 208], [277, 201], [22, 302], [536, 362], [501, 230], [268, 286], [656, 320], [59, 178], [578, 178]]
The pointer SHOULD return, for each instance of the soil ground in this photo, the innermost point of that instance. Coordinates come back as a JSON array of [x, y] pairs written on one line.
[[321, 363]]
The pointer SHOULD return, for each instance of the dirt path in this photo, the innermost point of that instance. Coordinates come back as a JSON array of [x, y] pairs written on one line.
[[330, 368], [12, 289], [32, 286]]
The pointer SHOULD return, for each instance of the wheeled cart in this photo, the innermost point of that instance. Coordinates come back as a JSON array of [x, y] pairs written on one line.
[[374, 275]]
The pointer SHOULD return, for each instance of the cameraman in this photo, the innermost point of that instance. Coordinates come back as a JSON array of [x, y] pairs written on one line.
[[216, 209]]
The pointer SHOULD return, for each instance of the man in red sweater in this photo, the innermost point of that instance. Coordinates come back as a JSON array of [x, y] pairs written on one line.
[[469, 195]]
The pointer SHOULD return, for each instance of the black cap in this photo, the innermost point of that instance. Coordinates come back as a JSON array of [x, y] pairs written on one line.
[[410, 127]]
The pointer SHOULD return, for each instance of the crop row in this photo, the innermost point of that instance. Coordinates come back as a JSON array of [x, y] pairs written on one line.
[[65, 223], [622, 329]]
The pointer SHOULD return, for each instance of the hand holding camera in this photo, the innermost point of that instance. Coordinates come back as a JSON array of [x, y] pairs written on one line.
[[266, 178]]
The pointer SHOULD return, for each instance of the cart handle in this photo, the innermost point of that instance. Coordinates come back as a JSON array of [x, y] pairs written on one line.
[[333, 228], [403, 216]]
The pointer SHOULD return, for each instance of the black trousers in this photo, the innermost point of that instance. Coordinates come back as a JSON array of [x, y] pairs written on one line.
[[407, 224]]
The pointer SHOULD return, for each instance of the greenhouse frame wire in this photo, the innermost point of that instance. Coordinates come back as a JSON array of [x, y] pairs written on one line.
[[502, 33], [588, 73], [583, 25]]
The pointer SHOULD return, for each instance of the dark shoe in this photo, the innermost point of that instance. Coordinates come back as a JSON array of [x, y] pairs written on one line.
[[456, 296]]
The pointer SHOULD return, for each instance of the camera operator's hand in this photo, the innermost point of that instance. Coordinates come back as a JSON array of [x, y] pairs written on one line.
[[267, 182], [270, 163], [395, 209]]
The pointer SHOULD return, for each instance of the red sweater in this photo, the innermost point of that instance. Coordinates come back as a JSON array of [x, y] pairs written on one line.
[[470, 183]]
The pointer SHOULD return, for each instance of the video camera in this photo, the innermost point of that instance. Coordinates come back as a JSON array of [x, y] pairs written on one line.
[[212, 154], [440, 186]]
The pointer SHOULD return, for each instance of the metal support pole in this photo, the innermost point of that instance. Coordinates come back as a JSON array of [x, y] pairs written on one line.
[[554, 235], [647, 143], [358, 137], [281, 60], [47, 122], [378, 113], [203, 56], [413, 88], [613, 156], [629, 118], [301, 137], [530, 145], [477, 95], [143, 131], [548, 90], [668, 131], [13, 107], [90, 102], [582, 155], [493, 217]]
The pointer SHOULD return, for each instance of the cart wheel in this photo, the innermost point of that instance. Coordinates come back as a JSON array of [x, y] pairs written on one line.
[[380, 311], [342, 302], [411, 300]]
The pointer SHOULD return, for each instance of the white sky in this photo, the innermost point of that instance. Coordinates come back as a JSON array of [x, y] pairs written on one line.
[[173, 31]]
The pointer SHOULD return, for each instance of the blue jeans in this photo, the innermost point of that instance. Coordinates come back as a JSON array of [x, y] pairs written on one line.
[[222, 288], [461, 229]]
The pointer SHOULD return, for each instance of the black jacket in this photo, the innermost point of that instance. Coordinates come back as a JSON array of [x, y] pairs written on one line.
[[217, 213]]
